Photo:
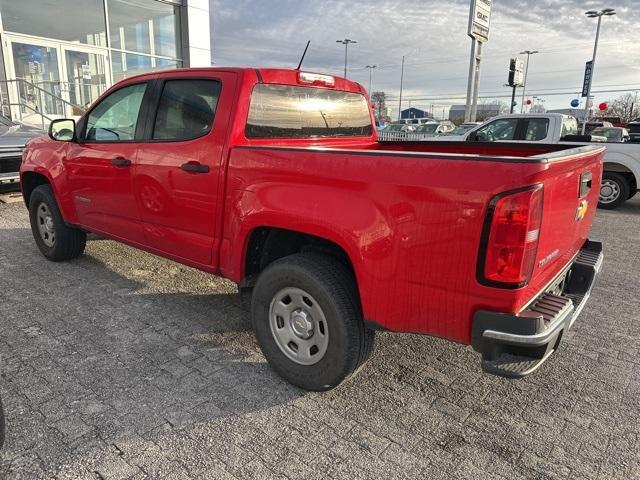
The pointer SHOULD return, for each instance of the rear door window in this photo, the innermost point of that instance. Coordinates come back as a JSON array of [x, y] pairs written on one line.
[[186, 109], [283, 111], [536, 129]]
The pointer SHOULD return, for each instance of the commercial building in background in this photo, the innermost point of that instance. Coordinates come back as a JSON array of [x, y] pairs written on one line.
[[413, 112], [58, 56]]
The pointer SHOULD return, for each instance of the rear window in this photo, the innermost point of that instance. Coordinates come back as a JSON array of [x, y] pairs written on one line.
[[283, 111]]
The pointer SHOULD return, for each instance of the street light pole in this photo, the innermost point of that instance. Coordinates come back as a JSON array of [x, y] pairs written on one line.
[[528, 53], [370, 67], [346, 43], [401, 82], [598, 15]]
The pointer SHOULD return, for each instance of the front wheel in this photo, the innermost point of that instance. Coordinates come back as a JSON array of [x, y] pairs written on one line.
[[307, 319], [54, 238], [614, 190]]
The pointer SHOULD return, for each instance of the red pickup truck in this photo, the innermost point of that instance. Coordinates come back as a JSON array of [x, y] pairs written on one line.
[[275, 179]]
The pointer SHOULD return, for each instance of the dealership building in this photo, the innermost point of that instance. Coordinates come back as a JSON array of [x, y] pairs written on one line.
[[58, 56]]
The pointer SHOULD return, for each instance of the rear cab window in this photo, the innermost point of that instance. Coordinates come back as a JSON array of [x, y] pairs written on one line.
[[284, 111]]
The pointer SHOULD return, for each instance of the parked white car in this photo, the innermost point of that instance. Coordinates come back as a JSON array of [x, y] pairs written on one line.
[[622, 160]]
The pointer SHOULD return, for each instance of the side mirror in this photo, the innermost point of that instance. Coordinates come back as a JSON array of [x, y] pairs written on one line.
[[62, 130]]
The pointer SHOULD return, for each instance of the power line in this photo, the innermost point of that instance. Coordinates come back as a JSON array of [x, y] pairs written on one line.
[[489, 96]]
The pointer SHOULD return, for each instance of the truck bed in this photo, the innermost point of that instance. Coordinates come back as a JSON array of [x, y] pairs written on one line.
[[411, 217]]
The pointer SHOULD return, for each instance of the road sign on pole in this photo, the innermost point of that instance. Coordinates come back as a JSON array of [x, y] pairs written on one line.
[[516, 72], [480, 20], [588, 74]]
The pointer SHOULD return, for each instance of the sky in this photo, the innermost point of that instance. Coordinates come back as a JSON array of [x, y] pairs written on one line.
[[432, 35]]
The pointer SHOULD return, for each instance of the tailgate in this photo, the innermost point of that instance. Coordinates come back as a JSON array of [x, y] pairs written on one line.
[[571, 188]]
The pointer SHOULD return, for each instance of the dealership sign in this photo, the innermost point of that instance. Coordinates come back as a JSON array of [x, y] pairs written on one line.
[[479, 19], [516, 72], [588, 73]]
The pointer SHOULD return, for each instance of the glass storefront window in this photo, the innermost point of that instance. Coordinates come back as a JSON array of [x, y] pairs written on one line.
[[68, 20], [144, 26], [124, 65]]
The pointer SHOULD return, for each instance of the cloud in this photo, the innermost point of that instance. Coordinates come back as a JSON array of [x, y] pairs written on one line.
[[432, 36]]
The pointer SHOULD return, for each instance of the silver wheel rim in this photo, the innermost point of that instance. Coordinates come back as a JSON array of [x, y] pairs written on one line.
[[298, 326], [609, 191], [46, 226]]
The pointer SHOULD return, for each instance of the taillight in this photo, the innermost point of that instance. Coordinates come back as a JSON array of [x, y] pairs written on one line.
[[510, 238]]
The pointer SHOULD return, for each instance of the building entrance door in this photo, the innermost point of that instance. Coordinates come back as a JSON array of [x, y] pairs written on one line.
[[60, 79]]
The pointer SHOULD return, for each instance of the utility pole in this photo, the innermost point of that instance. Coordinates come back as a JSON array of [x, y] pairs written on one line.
[[472, 65], [346, 43], [476, 84], [598, 15], [401, 82], [370, 67], [528, 53]]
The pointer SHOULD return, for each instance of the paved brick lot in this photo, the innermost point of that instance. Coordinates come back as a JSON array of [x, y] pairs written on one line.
[[121, 365]]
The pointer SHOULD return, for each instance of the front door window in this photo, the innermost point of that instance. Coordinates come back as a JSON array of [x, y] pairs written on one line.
[[115, 118]]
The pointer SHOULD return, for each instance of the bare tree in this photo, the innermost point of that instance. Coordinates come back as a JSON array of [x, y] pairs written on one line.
[[538, 108], [490, 108], [379, 101], [627, 107]]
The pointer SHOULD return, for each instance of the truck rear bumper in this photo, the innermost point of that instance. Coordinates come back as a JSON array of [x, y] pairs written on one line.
[[515, 345]]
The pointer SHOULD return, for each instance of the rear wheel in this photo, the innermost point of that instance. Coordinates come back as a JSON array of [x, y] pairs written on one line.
[[614, 190], [307, 319], [54, 238]]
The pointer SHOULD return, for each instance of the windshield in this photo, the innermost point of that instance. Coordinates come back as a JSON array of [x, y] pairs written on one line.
[[607, 132], [459, 130], [283, 111], [427, 128]]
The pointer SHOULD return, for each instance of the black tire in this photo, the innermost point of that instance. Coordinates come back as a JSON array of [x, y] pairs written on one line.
[[333, 286], [67, 242], [632, 193], [619, 187]]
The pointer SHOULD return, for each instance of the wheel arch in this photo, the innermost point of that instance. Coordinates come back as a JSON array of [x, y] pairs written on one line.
[[626, 165], [29, 181]]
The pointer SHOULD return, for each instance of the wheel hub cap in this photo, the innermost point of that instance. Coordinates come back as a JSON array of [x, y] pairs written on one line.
[[298, 326], [46, 227], [609, 191], [302, 324]]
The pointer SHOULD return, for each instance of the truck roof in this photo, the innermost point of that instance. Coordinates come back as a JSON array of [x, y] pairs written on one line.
[[276, 76]]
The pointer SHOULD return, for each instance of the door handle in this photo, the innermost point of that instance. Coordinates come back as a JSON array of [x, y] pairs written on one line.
[[194, 167], [121, 162]]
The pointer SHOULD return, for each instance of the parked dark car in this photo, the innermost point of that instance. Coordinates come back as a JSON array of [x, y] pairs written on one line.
[[634, 130], [13, 137]]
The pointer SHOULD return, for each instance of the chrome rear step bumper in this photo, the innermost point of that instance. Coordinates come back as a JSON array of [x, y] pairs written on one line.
[[515, 345]]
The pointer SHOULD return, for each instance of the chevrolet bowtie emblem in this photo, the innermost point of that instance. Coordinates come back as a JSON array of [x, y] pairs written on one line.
[[581, 211]]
